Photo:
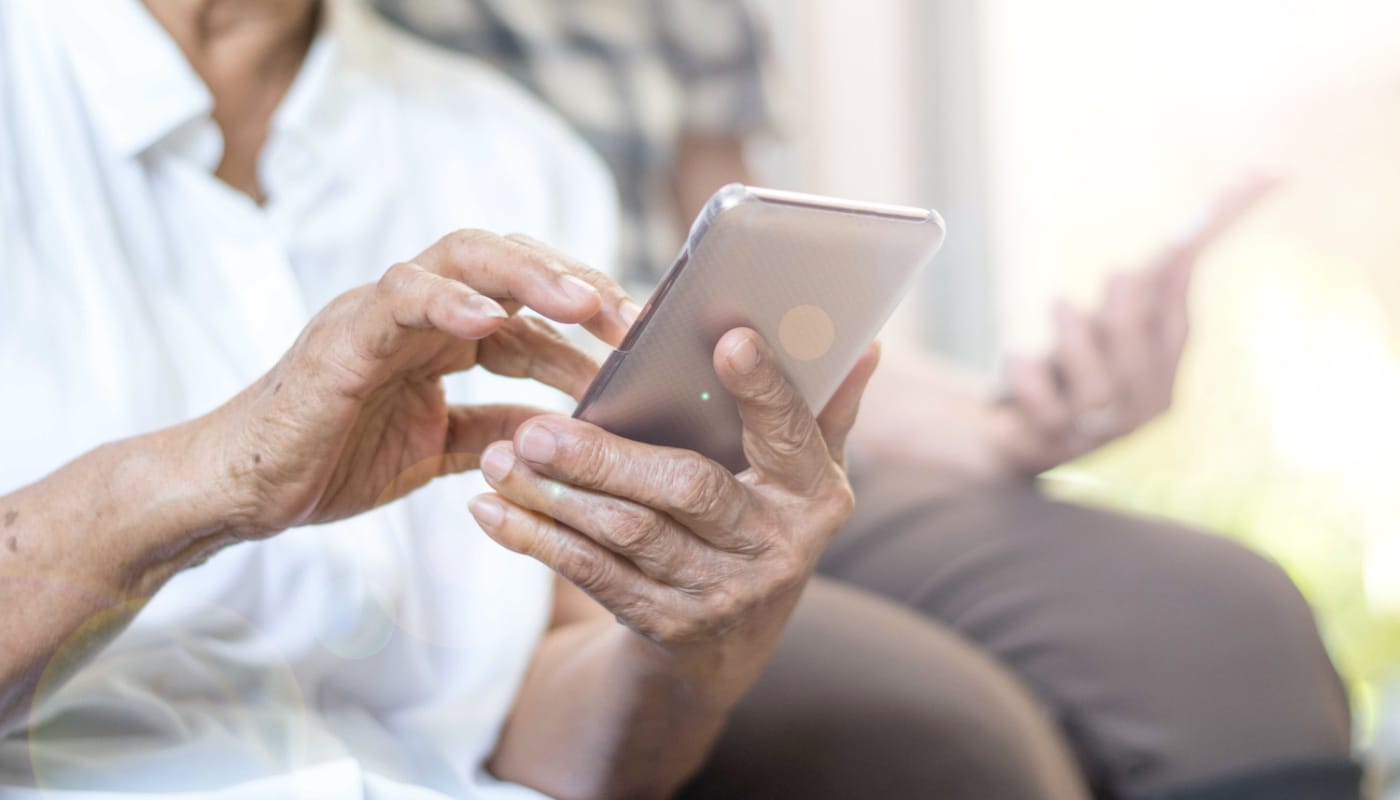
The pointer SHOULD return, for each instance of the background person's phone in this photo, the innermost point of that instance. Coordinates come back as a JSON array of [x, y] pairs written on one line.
[[817, 277]]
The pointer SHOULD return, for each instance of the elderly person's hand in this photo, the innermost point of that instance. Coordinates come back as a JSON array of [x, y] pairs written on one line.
[[680, 550], [354, 415], [700, 567]]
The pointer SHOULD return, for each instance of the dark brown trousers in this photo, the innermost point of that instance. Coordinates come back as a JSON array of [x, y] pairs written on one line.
[[1001, 645]]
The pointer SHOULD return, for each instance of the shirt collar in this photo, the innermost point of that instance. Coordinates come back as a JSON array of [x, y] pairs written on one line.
[[309, 102], [133, 78], [311, 130], [141, 90]]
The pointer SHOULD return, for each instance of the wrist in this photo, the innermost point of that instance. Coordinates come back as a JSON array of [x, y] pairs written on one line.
[[713, 672], [221, 477], [188, 510]]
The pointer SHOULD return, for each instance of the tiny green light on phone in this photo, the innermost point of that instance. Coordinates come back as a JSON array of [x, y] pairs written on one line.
[[704, 395]]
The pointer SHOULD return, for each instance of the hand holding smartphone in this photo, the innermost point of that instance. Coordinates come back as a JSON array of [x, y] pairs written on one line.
[[817, 277]]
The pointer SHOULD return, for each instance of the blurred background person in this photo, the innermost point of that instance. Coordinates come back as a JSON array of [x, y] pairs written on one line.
[[671, 93]]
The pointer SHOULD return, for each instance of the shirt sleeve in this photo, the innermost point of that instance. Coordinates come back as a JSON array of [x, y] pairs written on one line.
[[720, 73]]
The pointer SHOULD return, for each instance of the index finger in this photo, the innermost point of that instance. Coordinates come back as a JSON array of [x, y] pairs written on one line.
[[620, 310], [1210, 224], [520, 269]]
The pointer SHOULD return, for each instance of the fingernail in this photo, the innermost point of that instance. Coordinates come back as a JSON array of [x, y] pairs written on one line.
[[537, 444], [483, 306], [487, 510], [743, 356], [497, 462], [578, 290], [629, 311]]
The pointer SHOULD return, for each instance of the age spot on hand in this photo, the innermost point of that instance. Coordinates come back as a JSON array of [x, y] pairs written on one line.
[[13, 544], [10, 517]]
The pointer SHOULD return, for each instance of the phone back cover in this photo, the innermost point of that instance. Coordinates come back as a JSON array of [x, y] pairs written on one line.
[[817, 283]]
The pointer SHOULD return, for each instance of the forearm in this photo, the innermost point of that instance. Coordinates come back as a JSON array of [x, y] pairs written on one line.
[[83, 548], [948, 411], [604, 713]]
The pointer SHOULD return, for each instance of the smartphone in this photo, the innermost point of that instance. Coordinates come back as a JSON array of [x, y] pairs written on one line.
[[817, 277]]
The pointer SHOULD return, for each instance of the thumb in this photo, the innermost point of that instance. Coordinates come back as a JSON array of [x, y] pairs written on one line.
[[469, 430]]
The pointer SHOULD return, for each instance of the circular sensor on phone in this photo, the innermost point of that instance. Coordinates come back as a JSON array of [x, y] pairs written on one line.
[[806, 333]]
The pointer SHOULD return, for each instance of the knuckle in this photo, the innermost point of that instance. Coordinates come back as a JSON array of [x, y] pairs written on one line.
[[332, 320], [674, 629], [591, 275], [772, 391], [789, 434], [527, 245], [727, 607], [719, 610], [585, 567], [590, 465], [841, 501], [464, 242], [698, 492], [398, 278], [468, 237], [640, 617], [539, 330], [788, 568], [555, 260], [633, 532], [798, 428]]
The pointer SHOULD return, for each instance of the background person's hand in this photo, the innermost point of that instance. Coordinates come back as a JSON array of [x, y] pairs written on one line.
[[1113, 370], [355, 415], [675, 546], [1110, 371]]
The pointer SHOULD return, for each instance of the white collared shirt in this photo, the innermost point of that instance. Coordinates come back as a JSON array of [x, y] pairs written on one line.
[[374, 658]]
